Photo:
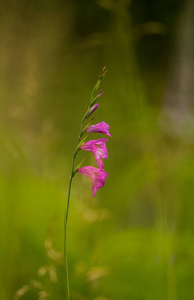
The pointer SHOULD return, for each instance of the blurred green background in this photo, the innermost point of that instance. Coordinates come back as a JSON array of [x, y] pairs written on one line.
[[135, 239]]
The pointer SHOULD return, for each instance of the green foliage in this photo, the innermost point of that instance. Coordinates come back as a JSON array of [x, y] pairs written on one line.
[[135, 239]]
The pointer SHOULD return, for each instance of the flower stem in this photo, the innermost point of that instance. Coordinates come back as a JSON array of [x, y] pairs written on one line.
[[67, 212], [65, 232]]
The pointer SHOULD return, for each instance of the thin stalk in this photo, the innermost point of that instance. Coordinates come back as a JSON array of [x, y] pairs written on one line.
[[67, 212]]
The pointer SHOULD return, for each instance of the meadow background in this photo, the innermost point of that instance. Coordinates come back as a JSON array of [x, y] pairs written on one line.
[[135, 239]]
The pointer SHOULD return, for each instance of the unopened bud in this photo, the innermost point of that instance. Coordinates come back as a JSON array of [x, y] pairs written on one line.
[[104, 71], [94, 107], [95, 99]]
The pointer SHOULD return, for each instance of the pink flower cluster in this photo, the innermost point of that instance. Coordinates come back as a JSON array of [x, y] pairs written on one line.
[[99, 149]]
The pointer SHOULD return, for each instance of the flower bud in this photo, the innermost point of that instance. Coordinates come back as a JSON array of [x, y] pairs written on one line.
[[95, 99], [94, 107]]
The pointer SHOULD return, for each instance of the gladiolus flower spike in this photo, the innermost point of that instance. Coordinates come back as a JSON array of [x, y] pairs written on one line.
[[99, 149]]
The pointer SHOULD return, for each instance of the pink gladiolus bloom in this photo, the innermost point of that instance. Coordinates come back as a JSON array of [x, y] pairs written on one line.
[[96, 175], [98, 147], [101, 127]]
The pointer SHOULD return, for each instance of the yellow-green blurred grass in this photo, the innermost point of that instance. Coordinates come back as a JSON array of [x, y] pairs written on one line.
[[135, 239]]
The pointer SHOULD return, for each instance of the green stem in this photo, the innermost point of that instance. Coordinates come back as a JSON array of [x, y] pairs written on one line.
[[65, 232], [66, 214]]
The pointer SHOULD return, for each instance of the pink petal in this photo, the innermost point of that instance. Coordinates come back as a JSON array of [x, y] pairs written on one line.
[[96, 175], [101, 127]]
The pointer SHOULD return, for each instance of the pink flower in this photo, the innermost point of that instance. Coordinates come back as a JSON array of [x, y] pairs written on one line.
[[96, 175], [101, 127], [98, 147]]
